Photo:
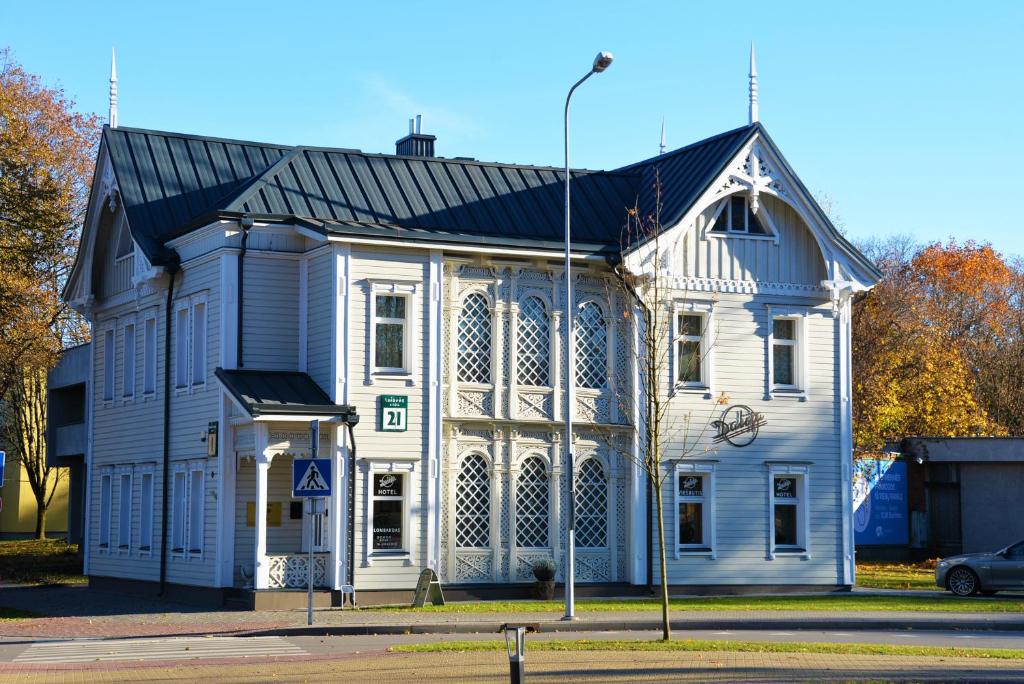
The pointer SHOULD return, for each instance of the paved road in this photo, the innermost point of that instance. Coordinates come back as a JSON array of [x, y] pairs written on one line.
[[273, 648]]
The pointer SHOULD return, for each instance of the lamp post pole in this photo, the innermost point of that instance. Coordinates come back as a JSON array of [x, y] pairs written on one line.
[[601, 62]]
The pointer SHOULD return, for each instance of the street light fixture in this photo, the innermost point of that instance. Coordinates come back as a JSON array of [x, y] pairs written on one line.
[[601, 62]]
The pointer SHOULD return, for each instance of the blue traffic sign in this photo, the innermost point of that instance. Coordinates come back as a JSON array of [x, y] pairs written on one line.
[[3, 463], [311, 477]]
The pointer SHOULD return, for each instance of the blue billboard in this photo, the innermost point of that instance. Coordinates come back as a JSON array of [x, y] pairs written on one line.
[[880, 502]]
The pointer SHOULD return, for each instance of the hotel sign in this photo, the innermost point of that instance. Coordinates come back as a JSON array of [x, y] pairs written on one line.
[[738, 426]]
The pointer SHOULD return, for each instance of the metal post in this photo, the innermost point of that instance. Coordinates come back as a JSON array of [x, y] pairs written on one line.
[[309, 596], [570, 370]]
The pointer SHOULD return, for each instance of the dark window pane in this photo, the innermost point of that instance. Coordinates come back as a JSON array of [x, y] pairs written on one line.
[[691, 485], [739, 212], [689, 325], [691, 527], [689, 362], [389, 346], [785, 525], [387, 525], [783, 329], [390, 307], [754, 224], [782, 357]]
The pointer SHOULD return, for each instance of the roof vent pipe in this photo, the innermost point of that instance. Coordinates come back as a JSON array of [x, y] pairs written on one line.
[[416, 144]]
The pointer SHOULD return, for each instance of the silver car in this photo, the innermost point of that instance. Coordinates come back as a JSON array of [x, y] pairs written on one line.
[[985, 573]]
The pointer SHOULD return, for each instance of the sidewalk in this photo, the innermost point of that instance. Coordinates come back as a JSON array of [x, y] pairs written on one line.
[[79, 612]]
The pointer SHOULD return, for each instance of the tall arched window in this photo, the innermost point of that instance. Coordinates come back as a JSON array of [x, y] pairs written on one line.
[[532, 504], [534, 351], [591, 506], [591, 348], [473, 504], [475, 340]]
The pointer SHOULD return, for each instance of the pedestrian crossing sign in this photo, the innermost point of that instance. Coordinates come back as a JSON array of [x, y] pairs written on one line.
[[311, 477]]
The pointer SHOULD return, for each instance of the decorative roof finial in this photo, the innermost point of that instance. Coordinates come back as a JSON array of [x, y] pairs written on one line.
[[663, 146], [112, 115], [753, 85]]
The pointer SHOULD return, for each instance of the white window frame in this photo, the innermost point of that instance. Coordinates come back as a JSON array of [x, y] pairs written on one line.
[[149, 352], [178, 526], [109, 361], [408, 291], [106, 510], [406, 470], [196, 375], [493, 360], [182, 345], [705, 469], [146, 503], [707, 346], [548, 342], [195, 512], [582, 389], [723, 212], [124, 513], [801, 388], [801, 472], [514, 503], [128, 359]]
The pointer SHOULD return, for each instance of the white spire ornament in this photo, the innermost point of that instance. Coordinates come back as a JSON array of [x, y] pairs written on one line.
[[112, 114], [663, 146], [753, 85]]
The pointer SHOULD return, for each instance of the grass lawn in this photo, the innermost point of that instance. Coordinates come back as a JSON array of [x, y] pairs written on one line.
[[734, 646], [46, 561], [824, 602], [889, 575]]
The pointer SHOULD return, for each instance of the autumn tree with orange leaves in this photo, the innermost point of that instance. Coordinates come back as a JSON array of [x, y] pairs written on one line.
[[932, 343], [46, 163]]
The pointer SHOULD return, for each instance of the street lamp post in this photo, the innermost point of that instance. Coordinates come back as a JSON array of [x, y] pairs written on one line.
[[601, 62]]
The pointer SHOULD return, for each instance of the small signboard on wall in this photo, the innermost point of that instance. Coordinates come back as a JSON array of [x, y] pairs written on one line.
[[211, 438], [394, 413]]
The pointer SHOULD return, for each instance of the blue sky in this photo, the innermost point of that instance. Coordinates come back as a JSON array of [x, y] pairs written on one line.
[[906, 114]]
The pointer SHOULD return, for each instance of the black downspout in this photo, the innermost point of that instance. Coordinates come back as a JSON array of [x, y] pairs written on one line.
[[351, 506], [173, 266], [245, 223]]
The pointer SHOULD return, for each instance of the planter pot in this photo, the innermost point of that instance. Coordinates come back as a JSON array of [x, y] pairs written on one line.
[[544, 590]]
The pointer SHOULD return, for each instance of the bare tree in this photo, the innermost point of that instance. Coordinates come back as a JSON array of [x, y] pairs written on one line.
[[665, 437], [24, 425]]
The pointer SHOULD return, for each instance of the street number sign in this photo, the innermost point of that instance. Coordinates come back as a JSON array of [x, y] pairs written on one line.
[[311, 477], [394, 413]]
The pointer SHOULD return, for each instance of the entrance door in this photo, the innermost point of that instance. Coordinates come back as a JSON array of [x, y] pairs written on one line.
[[321, 529], [1008, 569]]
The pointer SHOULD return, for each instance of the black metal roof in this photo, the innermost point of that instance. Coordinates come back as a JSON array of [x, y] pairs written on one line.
[[278, 392], [171, 183]]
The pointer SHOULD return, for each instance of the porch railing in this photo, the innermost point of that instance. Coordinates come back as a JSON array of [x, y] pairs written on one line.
[[291, 571]]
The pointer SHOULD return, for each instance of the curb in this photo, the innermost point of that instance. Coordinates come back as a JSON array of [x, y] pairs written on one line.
[[786, 624]]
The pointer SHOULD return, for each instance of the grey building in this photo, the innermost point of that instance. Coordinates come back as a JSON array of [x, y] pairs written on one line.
[[66, 435], [965, 492]]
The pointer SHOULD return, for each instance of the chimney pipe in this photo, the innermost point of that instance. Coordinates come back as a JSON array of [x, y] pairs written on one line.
[[416, 144]]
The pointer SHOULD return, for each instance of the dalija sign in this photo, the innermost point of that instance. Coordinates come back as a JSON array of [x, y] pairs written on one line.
[[738, 425]]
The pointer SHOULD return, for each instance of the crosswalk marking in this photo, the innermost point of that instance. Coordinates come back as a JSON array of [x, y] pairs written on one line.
[[172, 648]]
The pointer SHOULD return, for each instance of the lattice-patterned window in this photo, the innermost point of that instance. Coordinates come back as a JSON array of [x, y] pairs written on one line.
[[473, 504], [475, 340], [591, 506], [591, 347], [533, 506], [534, 352]]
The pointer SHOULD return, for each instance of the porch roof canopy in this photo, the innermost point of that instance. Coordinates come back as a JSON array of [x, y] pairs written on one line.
[[278, 393]]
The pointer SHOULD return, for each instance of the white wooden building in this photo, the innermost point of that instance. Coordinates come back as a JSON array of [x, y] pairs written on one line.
[[238, 290]]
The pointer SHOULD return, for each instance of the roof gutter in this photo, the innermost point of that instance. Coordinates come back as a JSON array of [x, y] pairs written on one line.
[[245, 223]]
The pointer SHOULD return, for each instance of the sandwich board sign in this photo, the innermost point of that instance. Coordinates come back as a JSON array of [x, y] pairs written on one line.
[[311, 477]]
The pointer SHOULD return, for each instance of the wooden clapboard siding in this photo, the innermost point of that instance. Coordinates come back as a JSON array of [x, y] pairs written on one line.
[[407, 267], [795, 430], [795, 259], [319, 298], [271, 312]]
